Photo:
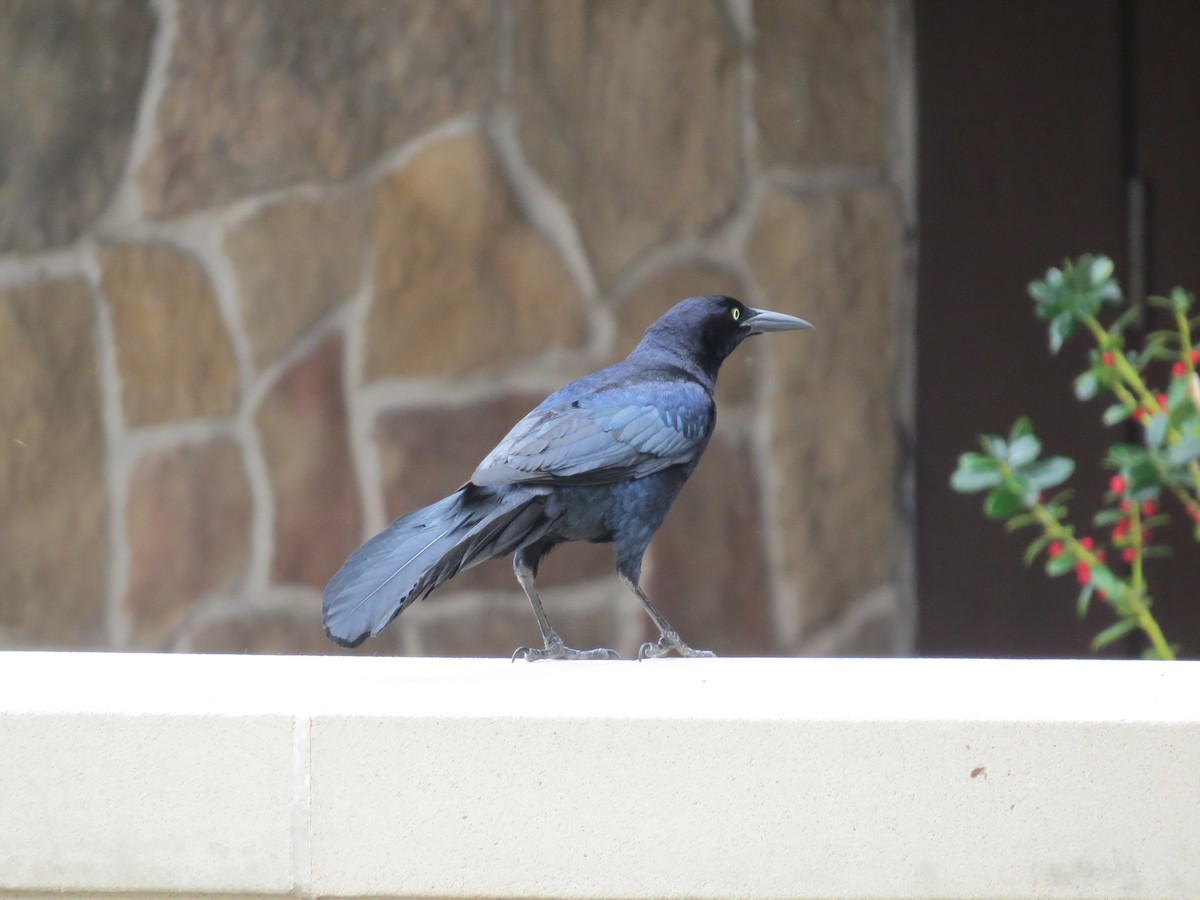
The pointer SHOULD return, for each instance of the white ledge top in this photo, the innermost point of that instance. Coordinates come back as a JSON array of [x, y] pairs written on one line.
[[710, 689], [219, 776]]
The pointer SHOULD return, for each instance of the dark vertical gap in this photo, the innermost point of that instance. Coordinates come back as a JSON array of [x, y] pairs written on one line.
[[1127, 61], [1137, 197], [1136, 210]]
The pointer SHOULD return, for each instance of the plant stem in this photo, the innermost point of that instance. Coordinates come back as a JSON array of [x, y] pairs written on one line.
[[1148, 624], [1124, 369], [1135, 601], [1135, 534], [1185, 340], [1144, 398]]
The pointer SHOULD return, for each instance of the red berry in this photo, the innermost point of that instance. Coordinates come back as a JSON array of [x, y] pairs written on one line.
[[1147, 533], [1128, 554], [1162, 402], [1083, 574], [1139, 415], [1179, 370], [1108, 358], [1195, 356], [1194, 512], [1117, 484], [1086, 543], [1055, 549], [1102, 595], [1100, 556], [1149, 508], [1126, 506], [1121, 529]]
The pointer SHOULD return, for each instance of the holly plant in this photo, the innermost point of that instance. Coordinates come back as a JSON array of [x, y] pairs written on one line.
[[1159, 472]]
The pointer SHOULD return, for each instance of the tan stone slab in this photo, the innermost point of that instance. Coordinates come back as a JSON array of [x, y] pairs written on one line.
[[69, 106], [834, 259], [498, 630], [174, 353], [261, 95], [276, 633], [630, 112], [822, 81], [188, 524], [709, 573], [318, 511], [54, 530], [462, 279], [295, 260]]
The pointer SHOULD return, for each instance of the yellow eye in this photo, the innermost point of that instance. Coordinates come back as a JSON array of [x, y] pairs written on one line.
[[736, 313]]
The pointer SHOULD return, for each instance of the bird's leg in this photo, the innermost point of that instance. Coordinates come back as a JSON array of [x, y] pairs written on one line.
[[525, 567], [668, 637]]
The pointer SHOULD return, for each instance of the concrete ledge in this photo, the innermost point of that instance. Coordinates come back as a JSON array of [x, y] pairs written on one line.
[[269, 776]]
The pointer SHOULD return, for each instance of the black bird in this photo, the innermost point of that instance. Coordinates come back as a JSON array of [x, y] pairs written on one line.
[[599, 460]]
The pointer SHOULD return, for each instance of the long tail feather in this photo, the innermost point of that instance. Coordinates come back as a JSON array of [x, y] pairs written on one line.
[[421, 550]]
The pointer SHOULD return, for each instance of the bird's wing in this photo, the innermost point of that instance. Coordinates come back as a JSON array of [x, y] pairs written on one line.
[[597, 440]]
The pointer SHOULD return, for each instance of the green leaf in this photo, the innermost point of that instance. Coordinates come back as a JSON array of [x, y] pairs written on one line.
[[1155, 347], [1020, 521], [1041, 292], [975, 473], [1035, 548], [1001, 503], [1085, 597], [1107, 517], [1104, 580], [1156, 431], [1118, 412], [1049, 472], [1060, 329], [1177, 395], [1181, 301], [1085, 386], [1142, 479], [1023, 450], [1021, 427], [1126, 454], [1185, 451], [994, 446], [1059, 565], [1114, 633], [1122, 321], [1101, 269]]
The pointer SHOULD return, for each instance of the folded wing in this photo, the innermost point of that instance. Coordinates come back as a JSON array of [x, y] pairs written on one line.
[[591, 441]]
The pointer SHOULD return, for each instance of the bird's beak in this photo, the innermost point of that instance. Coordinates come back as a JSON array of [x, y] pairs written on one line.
[[763, 320]]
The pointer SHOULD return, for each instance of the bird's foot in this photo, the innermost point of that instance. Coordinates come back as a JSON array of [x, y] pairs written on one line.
[[669, 642], [556, 649]]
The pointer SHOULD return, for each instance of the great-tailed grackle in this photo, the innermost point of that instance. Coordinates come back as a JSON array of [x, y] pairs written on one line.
[[599, 460]]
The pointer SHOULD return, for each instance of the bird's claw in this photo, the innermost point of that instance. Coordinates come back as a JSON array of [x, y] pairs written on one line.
[[556, 649], [669, 642]]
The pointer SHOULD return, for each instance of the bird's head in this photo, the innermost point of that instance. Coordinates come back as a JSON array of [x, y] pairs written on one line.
[[707, 329]]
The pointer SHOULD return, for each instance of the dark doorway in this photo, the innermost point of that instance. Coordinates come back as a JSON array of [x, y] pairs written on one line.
[[1035, 120]]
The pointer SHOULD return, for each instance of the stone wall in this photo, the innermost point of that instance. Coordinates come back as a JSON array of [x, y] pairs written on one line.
[[272, 273]]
